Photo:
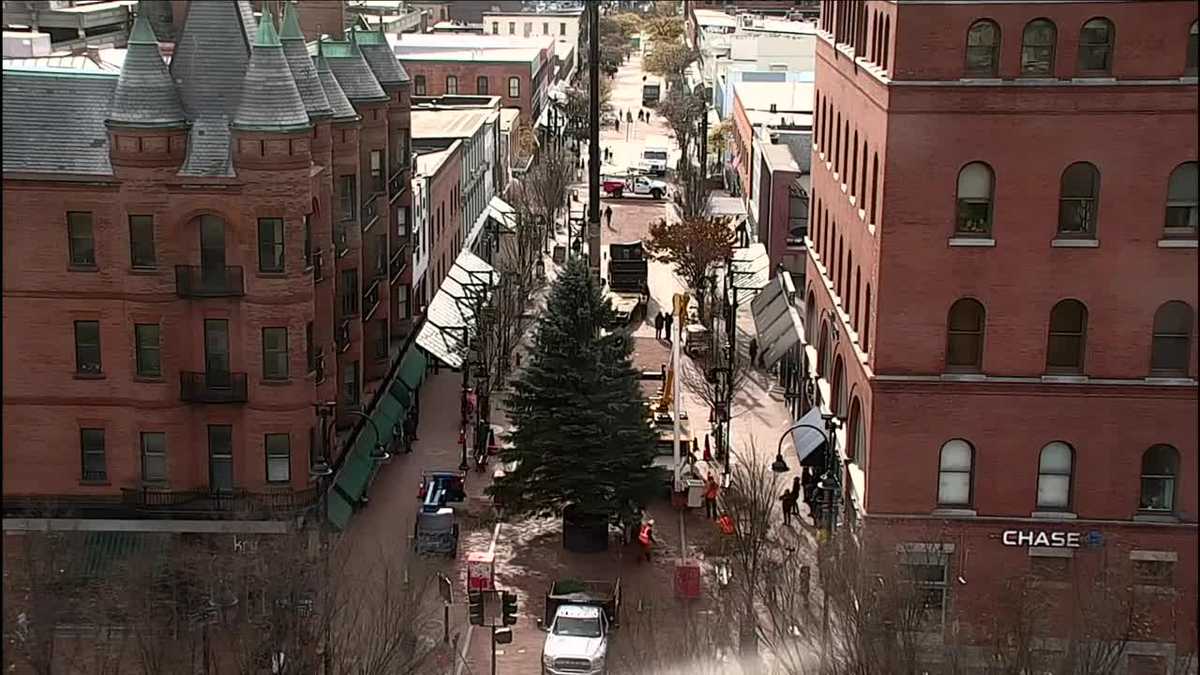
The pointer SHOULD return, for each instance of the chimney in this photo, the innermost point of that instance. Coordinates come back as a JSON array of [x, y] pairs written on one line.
[[774, 108]]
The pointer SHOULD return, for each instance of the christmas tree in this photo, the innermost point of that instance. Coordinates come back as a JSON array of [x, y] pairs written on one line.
[[580, 435]]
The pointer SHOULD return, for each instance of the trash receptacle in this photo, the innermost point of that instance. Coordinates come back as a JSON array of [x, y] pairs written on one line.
[[695, 493], [687, 579]]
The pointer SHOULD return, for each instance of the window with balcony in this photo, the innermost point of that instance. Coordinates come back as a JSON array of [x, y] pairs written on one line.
[[451, 84], [1160, 466], [1171, 345], [278, 449], [270, 245], [378, 177], [141, 243], [1066, 343], [348, 197], [146, 337], [1077, 202], [1183, 196], [275, 353], [481, 85], [956, 474], [349, 292], [514, 87], [87, 348], [1037, 48], [93, 460], [983, 49], [154, 457], [1055, 467], [418, 85], [973, 217], [965, 327], [1096, 47], [220, 458], [80, 239]]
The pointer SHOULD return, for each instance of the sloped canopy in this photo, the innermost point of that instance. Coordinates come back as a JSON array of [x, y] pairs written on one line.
[[751, 270], [776, 321], [450, 316]]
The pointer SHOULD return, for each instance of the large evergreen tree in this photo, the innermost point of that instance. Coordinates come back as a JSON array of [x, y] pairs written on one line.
[[580, 432]]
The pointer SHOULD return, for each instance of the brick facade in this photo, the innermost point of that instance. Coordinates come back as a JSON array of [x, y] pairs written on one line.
[[888, 257], [529, 98]]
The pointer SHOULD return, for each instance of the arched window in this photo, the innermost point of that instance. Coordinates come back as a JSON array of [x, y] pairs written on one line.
[[856, 307], [1193, 50], [1171, 350], [956, 473], [862, 185], [1183, 196], [823, 350], [810, 315], [973, 217], [875, 37], [1037, 48], [854, 166], [1096, 47], [845, 152], [866, 331], [1160, 465], [887, 40], [1055, 466], [846, 280], [964, 328], [837, 142], [857, 452], [874, 185], [837, 267], [1078, 199], [983, 49], [839, 394], [1065, 346]]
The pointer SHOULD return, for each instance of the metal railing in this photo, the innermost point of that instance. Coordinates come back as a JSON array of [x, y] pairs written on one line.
[[341, 239], [397, 182], [195, 281], [369, 213], [399, 262], [317, 369], [215, 387], [370, 300], [217, 502], [318, 264], [341, 337]]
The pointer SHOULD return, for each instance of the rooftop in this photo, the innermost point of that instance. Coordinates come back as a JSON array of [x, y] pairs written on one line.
[[430, 163], [576, 12], [795, 97], [531, 56], [509, 117], [712, 17], [779, 157], [448, 122]]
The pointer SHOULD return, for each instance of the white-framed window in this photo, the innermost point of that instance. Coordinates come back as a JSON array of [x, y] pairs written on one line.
[[514, 87], [1160, 466], [1056, 465], [154, 456], [1183, 197], [278, 449], [956, 473], [928, 573]]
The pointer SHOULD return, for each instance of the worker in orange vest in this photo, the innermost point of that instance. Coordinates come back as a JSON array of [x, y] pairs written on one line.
[[646, 539], [711, 490]]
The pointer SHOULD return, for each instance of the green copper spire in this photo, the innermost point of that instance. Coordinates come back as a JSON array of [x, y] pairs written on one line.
[[291, 23], [142, 32], [267, 37]]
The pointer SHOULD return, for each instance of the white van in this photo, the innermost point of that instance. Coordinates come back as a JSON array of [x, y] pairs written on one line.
[[655, 156]]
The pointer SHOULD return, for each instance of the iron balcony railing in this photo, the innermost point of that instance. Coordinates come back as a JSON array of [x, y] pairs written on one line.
[[224, 503], [212, 387], [399, 262], [341, 336], [318, 369], [369, 214], [397, 182], [318, 265], [195, 281], [370, 300], [341, 239]]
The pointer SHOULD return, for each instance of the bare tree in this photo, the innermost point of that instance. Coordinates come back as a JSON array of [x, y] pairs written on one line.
[[694, 247], [697, 640]]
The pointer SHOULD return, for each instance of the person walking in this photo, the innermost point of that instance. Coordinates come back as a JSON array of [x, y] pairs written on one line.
[[628, 117], [753, 352], [659, 321], [669, 319], [608, 217], [646, 539], [790, 499], [617, 123], [712, 489]]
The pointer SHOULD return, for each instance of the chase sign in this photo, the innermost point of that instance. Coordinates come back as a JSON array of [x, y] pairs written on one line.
[[1041, 538]]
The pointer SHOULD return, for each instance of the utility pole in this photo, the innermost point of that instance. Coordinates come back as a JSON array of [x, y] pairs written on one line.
[[593, 222]]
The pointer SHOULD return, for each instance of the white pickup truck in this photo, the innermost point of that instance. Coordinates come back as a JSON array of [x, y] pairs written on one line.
[[618, 186], [579, 618]]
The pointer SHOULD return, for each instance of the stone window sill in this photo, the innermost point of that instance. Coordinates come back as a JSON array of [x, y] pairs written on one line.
[[96, 483], [149, 379], [980, 80], [963, 377], [1098, 78], [283, 382], [950, 512], [1053, 515], [1065, 379], [90, 376], [144, 271], [83, 268], [1150, 517], [971, 241], [1075, 243], [1177, 243], [271, 275]]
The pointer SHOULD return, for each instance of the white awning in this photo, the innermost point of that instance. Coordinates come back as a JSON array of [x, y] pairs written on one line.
[[451, 313], [498, 210], [776, 321], [751, 271], [805, 439]]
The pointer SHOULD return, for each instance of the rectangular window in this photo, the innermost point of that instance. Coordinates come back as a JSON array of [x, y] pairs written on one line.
[[87, 347], [310, 347], [378, 180], [349, 291], [381, 340], [270, 244], [381, 256], [926, 572], [348, 197], [154, 457], [528, 28], [545, 28], [275, 353], [514, 87], [81, 239], [512, 27], [220, 458], [308, 244], [403, 298], [451, 84], [91, 446], [419, 85], [350, 384], [481, 85], [279, 457], [562, 28], [1154, 573], [495, 28], [149, 355], [141, 242]]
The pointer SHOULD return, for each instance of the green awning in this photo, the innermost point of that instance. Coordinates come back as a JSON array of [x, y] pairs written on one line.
[[338, 510], [387, 414], [401, 393], [412, 368], [356, 471]]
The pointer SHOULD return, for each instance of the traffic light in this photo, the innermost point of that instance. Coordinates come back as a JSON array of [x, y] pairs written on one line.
[[475, 607], [508, 603]]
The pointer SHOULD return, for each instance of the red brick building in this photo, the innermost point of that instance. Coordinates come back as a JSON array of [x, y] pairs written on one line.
[[519, 76], [1002, 297], [195, 256], [438, 175]]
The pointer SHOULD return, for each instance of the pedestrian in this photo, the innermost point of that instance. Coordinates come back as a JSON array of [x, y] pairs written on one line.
[[712, 490], [617, 123], [608, 215], [411, 425], [753, 352], [707, 449], [789, 499], [628, 117], [646, 539], [641, 116], [658, 325], [668, 320]]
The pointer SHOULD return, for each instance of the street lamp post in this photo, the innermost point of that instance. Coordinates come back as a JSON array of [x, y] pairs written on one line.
[[320, 471]]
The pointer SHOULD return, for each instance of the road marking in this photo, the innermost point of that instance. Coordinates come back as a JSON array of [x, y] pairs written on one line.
[[466, 643]]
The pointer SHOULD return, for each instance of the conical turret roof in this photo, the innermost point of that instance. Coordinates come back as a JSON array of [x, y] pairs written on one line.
[[380, 57], [343, 110], [270, 100], [295, 52], [145, 94], [348, 65]]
